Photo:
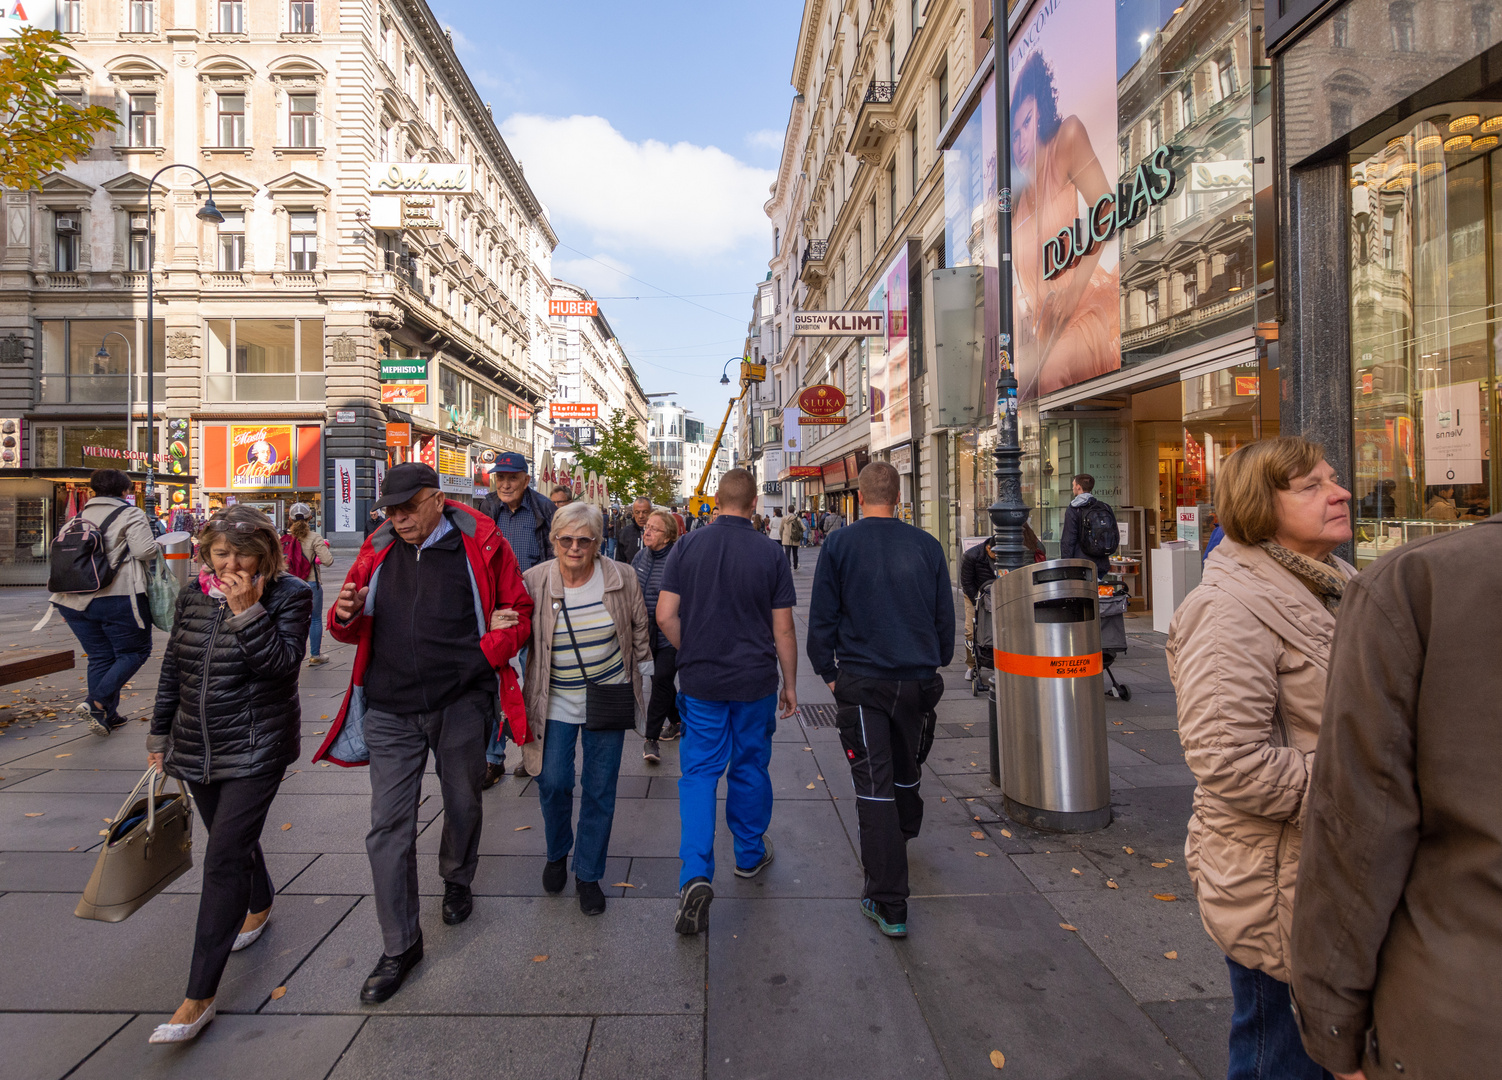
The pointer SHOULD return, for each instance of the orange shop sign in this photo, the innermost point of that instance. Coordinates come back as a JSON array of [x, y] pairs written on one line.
[[573, 307], [260, 457], [404, 394], [574, 410], [398, 434]]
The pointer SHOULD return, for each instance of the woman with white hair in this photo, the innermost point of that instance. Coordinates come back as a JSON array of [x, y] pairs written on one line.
[[589, 631]]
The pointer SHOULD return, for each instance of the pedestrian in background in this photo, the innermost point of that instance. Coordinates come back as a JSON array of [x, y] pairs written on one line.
[[658, 539], [589, 626], [726, 605], [427, 659], [1397, 933], [790, 535], [316, 554], [1085, 519], [561, 496], [525, 519], [880, 625], [1248, 652], [228, 723], [628, 535], [113, 624]]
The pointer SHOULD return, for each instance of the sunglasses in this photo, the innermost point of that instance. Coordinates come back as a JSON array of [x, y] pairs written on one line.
[[572, 542], [220, 525]]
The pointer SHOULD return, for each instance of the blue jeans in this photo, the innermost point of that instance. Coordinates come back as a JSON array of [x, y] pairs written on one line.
[[315, 628], [117, 647], [495, 753], [609, 547], [555, 790], [1265, 1043], [717, 734]]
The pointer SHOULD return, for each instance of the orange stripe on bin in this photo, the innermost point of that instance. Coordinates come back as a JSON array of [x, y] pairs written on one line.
[[176, 555], [1047, 667]]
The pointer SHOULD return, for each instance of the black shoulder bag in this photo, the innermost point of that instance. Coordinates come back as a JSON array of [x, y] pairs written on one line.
[[607, 706]]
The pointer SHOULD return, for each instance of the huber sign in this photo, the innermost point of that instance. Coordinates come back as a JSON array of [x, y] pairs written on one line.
[[839, 323], [1115, 210], [558, 308]]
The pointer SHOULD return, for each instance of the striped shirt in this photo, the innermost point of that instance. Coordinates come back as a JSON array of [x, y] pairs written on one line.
[[594, 630]]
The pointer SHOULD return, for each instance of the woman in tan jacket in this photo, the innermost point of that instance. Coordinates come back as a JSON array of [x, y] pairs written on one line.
[[600, 600], [1248, 652]]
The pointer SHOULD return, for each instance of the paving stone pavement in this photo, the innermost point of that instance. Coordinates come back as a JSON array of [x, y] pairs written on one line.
[[790, 981]]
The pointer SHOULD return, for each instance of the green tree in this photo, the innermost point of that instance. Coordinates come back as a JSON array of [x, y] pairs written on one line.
[[662, 489], [39, 131], [617, 456]]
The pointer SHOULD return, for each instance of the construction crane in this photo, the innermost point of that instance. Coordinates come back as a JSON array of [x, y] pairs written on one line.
[[700, 503]]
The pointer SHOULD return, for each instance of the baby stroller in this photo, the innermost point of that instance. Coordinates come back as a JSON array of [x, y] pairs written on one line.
[[984, 640], [1113, 640]]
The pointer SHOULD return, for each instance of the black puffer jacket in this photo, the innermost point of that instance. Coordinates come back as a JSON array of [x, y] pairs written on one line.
[[244, 719]]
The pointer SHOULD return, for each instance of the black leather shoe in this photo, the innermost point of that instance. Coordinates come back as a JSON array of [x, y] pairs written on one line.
[[591, 898], [493, 775], [389, 974], [555, 876], [458, 902]]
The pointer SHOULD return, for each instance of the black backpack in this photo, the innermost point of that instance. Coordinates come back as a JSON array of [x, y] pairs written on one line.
[[1099, 537], [80, 563]]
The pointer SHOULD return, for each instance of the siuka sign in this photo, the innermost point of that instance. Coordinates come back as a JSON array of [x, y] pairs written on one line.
[[1150, 184]]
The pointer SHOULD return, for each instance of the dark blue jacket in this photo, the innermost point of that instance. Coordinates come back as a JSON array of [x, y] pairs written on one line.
[[882, 605], [542, 508]]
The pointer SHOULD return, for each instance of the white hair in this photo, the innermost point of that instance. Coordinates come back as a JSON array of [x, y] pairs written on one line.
[[576, 514]]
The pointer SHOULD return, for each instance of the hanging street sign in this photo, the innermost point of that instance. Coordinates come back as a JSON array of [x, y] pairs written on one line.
[[565, 308], [839, 324], [404, 369]]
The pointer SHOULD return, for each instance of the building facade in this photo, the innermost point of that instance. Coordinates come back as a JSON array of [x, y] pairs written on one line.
[[271, 328], [680, 444]]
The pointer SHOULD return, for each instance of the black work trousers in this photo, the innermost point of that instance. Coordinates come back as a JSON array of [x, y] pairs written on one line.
[[663, 704], [792, 553], [235, 881], [886, 728]]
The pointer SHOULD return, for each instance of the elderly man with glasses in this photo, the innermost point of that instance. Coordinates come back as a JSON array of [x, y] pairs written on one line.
[[436, 608]]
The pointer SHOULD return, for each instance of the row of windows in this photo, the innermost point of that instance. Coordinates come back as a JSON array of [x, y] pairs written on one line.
[[229, 116], [228, 17], [302, 245]]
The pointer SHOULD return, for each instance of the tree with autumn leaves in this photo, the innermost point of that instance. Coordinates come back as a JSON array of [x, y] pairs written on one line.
[[39, 131]]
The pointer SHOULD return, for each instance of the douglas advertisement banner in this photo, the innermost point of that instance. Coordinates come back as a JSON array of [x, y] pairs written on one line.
[[260, 457], [1065, 191], [891, 412]]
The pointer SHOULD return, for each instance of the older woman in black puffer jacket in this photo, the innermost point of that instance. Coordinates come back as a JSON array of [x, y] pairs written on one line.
[[227, 723]]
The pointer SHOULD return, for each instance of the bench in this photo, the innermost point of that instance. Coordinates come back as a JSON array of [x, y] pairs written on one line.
[[18, 665]]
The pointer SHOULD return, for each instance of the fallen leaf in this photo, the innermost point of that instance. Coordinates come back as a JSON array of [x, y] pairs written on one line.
[[324, 717], [39, 813], [998, 1059], [1166, 897], [279, 993], [104, 832], [539, 959], [1066, 926], [943, 798], [809, 749], [317, 733], [62, 755], [973, 764], [1129, 851], [983, 854], [821, 778], [1159, 865], [73, 848], [623, 885], [1111, 884], [287, 826], [812, 786], [1116, 722], [978, 834], [1007, 833], [323, 764], [1171, 954], [521, 828], [969, 800], [1075, 872]]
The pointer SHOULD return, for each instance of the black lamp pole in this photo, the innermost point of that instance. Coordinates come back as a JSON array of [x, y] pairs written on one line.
[[207, 212]]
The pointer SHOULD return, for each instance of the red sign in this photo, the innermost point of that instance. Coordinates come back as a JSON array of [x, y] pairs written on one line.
[[260, 457], [573, 307], [404, 393], [823, 420], [574, 410], [814, 471], [834, 472], [821, 400], [398, 434], [1247, 385]]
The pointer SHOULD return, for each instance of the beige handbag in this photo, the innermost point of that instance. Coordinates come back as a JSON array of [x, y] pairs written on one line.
[[150, 846]]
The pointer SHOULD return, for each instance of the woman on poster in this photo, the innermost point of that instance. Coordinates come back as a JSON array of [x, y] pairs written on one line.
[[1070, 320]]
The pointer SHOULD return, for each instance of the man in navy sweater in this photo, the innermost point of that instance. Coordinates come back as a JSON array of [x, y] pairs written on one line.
[[880, 625]]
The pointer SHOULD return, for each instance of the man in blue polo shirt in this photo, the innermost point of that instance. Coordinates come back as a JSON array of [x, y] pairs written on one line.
[[727, 605]]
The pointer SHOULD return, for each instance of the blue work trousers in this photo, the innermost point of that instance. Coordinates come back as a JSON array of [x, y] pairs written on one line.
[[717, 735]]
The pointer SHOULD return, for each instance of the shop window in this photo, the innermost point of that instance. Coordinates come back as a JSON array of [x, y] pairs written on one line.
[[304, 237], [142, 120], [231, 17], [1428, 197], [142, 16], [265, 360], [232, 119], [232, 242], [73, 372]]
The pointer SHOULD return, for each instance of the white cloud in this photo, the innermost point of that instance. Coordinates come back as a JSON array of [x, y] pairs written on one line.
[[601, 275], [683, 200], [766, 139]]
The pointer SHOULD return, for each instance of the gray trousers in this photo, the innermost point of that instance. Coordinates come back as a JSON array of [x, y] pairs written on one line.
[[399, 745]]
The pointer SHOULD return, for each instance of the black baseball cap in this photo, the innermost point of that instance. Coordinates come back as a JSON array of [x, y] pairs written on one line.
[[404, 481]]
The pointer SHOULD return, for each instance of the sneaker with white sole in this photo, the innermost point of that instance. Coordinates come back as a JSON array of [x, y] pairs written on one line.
[[179, 1033], [651, 753]]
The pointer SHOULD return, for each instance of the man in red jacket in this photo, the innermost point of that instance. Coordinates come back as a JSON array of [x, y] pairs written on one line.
[[418, 605]]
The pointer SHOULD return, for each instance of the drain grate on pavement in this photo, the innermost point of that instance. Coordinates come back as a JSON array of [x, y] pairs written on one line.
[[817, 716]]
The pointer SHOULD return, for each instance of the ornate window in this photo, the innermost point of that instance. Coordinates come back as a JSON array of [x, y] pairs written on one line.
[[141, 127], [231, 17], [303, 249], [70, 16], [303, 120], [301, 17], [142, 16], [232, 242], [231, 115]]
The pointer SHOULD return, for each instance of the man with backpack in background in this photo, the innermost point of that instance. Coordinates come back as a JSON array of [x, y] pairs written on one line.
[[303, 552], [790, 534], [1089, 527], [98, 582]]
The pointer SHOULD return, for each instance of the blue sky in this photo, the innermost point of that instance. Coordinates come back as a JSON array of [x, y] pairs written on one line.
[[651, 132]]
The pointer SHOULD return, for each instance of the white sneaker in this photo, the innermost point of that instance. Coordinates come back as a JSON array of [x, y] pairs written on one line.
[[177, 1033], [248, 938]]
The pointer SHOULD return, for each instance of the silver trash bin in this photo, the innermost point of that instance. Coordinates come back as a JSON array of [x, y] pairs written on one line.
[[177, 549], [1050, 704]]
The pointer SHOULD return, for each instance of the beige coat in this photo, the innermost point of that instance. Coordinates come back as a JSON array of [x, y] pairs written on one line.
[[1248, 653], [624, 602]]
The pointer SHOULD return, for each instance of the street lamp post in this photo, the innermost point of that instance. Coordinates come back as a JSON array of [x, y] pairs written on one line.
[[103, 355], [207, 212]]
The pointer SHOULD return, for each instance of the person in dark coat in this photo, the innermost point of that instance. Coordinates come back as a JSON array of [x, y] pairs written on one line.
[[1070, 546], [227, 723], [658, 539], [628, 535]]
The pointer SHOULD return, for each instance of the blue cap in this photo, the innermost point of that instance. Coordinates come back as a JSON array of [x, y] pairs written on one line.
[[509, 463]]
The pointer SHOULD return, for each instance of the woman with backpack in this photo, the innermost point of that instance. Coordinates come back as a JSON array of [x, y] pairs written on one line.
[[98, 583], [304, 551], [228, 723]]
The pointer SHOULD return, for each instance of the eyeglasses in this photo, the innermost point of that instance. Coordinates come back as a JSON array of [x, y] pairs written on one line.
[[572, 542]]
